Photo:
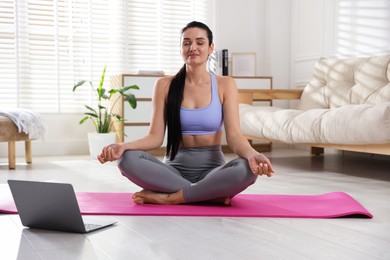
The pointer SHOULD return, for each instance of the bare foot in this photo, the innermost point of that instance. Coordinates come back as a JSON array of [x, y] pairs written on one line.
[[225, 202], [221, 202], [151, 197]]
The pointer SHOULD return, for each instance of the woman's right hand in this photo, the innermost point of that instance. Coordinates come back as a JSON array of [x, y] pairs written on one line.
[[111, 153]]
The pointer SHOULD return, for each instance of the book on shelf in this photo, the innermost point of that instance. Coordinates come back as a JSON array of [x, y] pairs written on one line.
[[221, 60], [225, 62]]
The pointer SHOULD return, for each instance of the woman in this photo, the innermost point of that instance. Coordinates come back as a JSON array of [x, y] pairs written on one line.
[[193, 104]]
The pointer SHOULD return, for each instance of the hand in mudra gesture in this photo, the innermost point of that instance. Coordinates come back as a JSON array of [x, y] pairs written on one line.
[[111, 153], [260, 165]]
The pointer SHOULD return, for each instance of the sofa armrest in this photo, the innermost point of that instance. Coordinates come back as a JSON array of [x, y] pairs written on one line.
[[247, 96]]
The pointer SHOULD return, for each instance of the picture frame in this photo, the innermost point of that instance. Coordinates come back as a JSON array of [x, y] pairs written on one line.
[[244, 64]]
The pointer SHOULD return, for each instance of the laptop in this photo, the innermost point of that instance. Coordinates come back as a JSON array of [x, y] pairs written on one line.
[[52, 206]]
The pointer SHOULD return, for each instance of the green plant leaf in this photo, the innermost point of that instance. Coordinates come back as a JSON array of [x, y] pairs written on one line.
[[81, 82], [131, 100], [91, 114], [104, 126], [100, 89], [116, 115], [91, 109], [100, 106], [124, 89], [83, 120], [113, 91], [134, 87]]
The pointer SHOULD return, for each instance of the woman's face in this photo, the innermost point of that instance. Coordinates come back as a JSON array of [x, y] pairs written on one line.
[[195, 47]]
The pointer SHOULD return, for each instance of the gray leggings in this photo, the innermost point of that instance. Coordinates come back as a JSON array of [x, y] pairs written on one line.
[[201, 172]]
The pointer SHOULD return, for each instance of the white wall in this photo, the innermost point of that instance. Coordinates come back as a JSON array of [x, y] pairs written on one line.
[[240, 28], [260, 26]]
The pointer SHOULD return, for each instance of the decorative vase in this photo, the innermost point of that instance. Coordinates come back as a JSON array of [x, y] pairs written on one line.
[[99, 140]]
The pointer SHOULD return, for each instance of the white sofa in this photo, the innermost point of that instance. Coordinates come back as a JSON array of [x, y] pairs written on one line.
[[345, 106]]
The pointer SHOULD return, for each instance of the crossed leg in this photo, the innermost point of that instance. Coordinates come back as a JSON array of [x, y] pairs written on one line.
[[163, 184]]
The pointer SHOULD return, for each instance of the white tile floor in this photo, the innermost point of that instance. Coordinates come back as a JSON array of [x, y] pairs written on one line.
[[366, 179]]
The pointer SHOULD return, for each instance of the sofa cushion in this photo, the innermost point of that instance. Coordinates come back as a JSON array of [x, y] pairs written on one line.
[[348, 124], [337, 82], [372, 81]]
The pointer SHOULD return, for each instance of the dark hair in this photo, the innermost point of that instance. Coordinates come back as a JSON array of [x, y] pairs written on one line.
[[175, 98], [200, 25]]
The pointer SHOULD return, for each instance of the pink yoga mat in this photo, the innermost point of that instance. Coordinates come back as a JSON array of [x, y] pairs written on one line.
[[329, 205]]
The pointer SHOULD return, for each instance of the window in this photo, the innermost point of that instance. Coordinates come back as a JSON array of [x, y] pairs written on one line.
[[46, 46]]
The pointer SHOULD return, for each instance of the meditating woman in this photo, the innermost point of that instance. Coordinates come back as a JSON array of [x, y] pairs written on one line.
[[193, 105]]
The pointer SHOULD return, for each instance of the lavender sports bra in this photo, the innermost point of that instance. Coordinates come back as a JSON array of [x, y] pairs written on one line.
[[204, 120]]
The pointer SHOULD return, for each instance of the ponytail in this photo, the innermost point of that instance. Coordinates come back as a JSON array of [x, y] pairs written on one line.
[[172, 113]]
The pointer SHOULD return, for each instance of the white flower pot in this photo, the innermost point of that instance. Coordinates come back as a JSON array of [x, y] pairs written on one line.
[[97, 141]]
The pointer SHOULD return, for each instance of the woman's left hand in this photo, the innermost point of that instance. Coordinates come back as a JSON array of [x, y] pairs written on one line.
[[260, 165]]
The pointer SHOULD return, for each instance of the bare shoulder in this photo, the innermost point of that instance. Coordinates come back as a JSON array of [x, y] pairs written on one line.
[[224, 80], [226, 84], [162, 84], [164, 81]]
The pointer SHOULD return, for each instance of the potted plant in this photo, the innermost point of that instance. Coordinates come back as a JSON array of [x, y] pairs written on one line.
[[102, 116]]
